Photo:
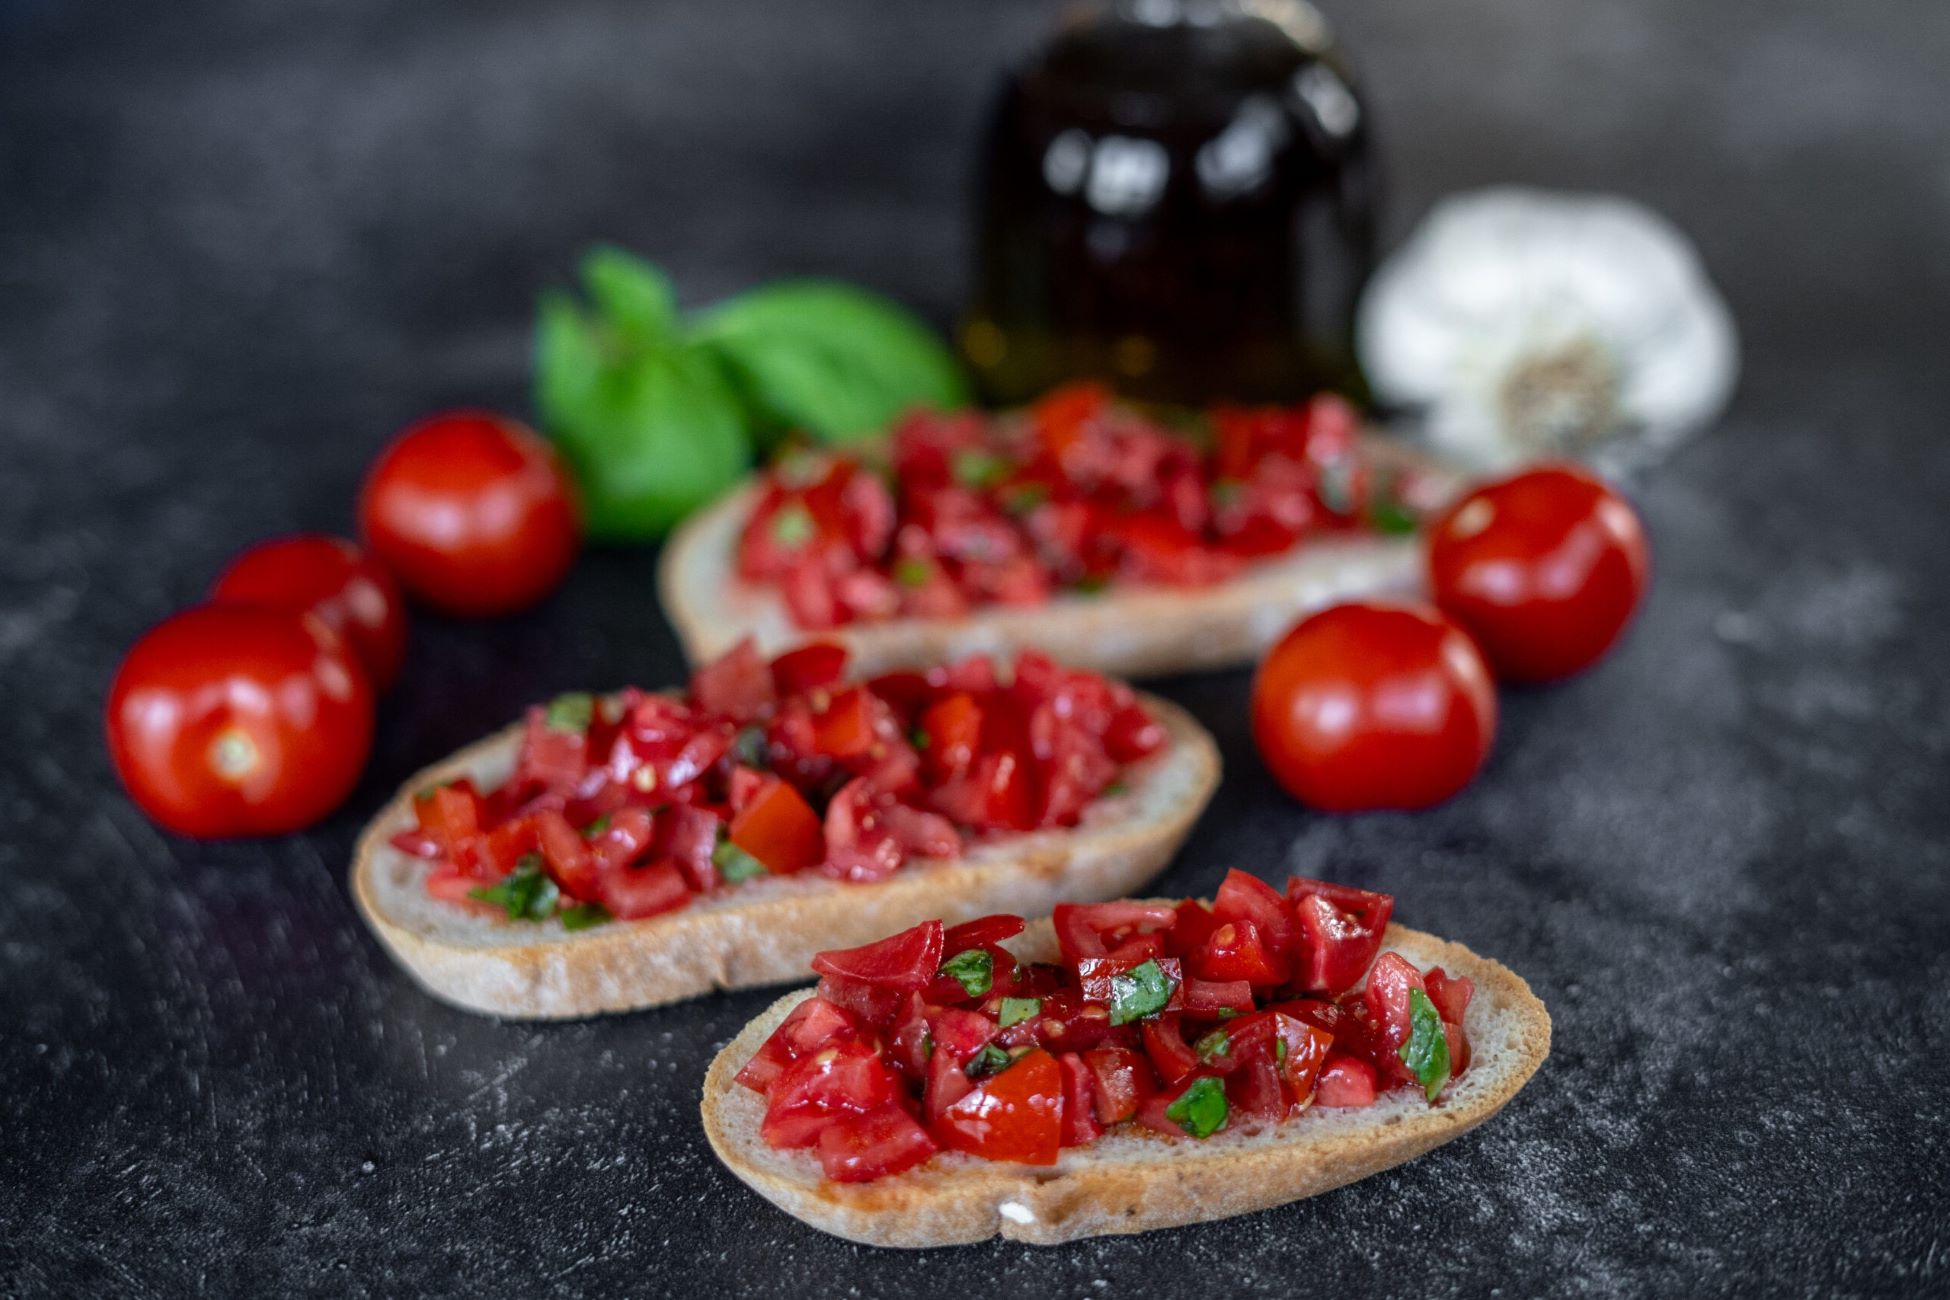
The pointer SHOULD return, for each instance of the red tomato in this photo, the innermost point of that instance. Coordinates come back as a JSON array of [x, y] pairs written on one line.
[[1544, 569], [880, 1142], [334, 579], [780, 829], [1342, 928], [1345, 1081], [1374, 706], [473, 512], [820, 664], [234, 720], [1015, 1116], [905, 961]]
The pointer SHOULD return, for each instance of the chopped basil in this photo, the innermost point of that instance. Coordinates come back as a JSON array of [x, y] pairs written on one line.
[[1214, 1045], [584, 915], [571, 713], [1393, 517], [1201, 1109], [990, 1060], [913, 571], [979, 469], [597, 827], [1226, 492], [732, 862], [1279, 1050], [793, 525], [1024, 497], [1090, 584], [526, 893], [750, 748], [974, 970], [919, 738], [426, 792], [1117, 787], [1139, 992], [1426, 1053], [1017, 1010]]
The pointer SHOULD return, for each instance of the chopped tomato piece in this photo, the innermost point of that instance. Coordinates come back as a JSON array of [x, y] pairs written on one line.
[[809, 667], [1235, 951], [569, 860], [865, 1147], [1248, 898], [1345, 1081], [737, 684], [1253, 1091], [1450, 993], [952, 728], [1206, 1000], [905, 961], [1390, 983], [1341, 930], [1080, 1127], [450, 816], [845, 728], [1170, 1055], [1122, 1082], [636, 892], [780, 829], [981, 932], [810, 1026], [1016, 1115], [1089, 929]]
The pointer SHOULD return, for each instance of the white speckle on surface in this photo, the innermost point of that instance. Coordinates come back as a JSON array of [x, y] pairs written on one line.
[[1016, 1212]]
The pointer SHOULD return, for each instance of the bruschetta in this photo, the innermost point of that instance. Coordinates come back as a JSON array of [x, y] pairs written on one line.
[[624, 851], [1078, 526], [1116, 1068]]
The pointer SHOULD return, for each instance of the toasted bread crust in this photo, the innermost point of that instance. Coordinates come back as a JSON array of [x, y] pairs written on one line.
[[1143, 632], [767, 932], [1132, 1181]]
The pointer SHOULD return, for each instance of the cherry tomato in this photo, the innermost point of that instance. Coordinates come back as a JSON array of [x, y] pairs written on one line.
[[473, 512], [334, 579], [1374, 706], [237, 720], [1544, 569]]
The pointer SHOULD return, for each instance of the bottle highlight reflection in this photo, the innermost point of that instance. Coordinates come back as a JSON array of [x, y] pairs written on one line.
[[1179, 198]]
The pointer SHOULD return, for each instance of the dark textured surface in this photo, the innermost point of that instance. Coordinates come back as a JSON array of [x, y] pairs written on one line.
[[240, 244]]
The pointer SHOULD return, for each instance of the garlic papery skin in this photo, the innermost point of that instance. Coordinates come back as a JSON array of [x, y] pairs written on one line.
[[1519, 324]]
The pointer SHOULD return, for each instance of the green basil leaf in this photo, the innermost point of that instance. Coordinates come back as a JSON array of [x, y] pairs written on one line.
[[733, 863], [1139, 992], [1393, 517], [1201, 1109], [1426, 1053], [834, 360], [913, 571], [597, 827], [571, 713], [584, 915], [633, 297], [525, 894], [653, 439], [979, 469], [990, 1060], [751, 748], [1214, 1045], [974, 970], [1017, 1010]]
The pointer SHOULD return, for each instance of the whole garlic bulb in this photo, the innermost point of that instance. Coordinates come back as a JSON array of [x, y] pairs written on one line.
[[1521, 324]]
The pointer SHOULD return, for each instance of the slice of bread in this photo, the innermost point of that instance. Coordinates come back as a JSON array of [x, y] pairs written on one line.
[[766, 931], [1138, 632], [1132, 1180]]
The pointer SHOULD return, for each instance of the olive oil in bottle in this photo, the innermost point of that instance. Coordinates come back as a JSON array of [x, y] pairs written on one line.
[[1178, 198]]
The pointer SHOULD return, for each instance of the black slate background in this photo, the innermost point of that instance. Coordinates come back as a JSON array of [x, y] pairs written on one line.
[[241, 243]]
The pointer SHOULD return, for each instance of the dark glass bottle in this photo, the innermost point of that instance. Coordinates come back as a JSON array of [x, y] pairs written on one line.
[[1178, 197]]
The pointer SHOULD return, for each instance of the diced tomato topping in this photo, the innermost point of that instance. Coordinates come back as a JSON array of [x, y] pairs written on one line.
[[809, 667], [1014, 1060], [1345, 1081], [862, 1148], [952, 728], [738, 684], [1165, 1044], [1450, 993], [779, 828], [905, 961], [1342, 930], [1122, 1082], [450, 816], [568, 855], [637, 892], [1080, 1126], [1016, 1115]]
